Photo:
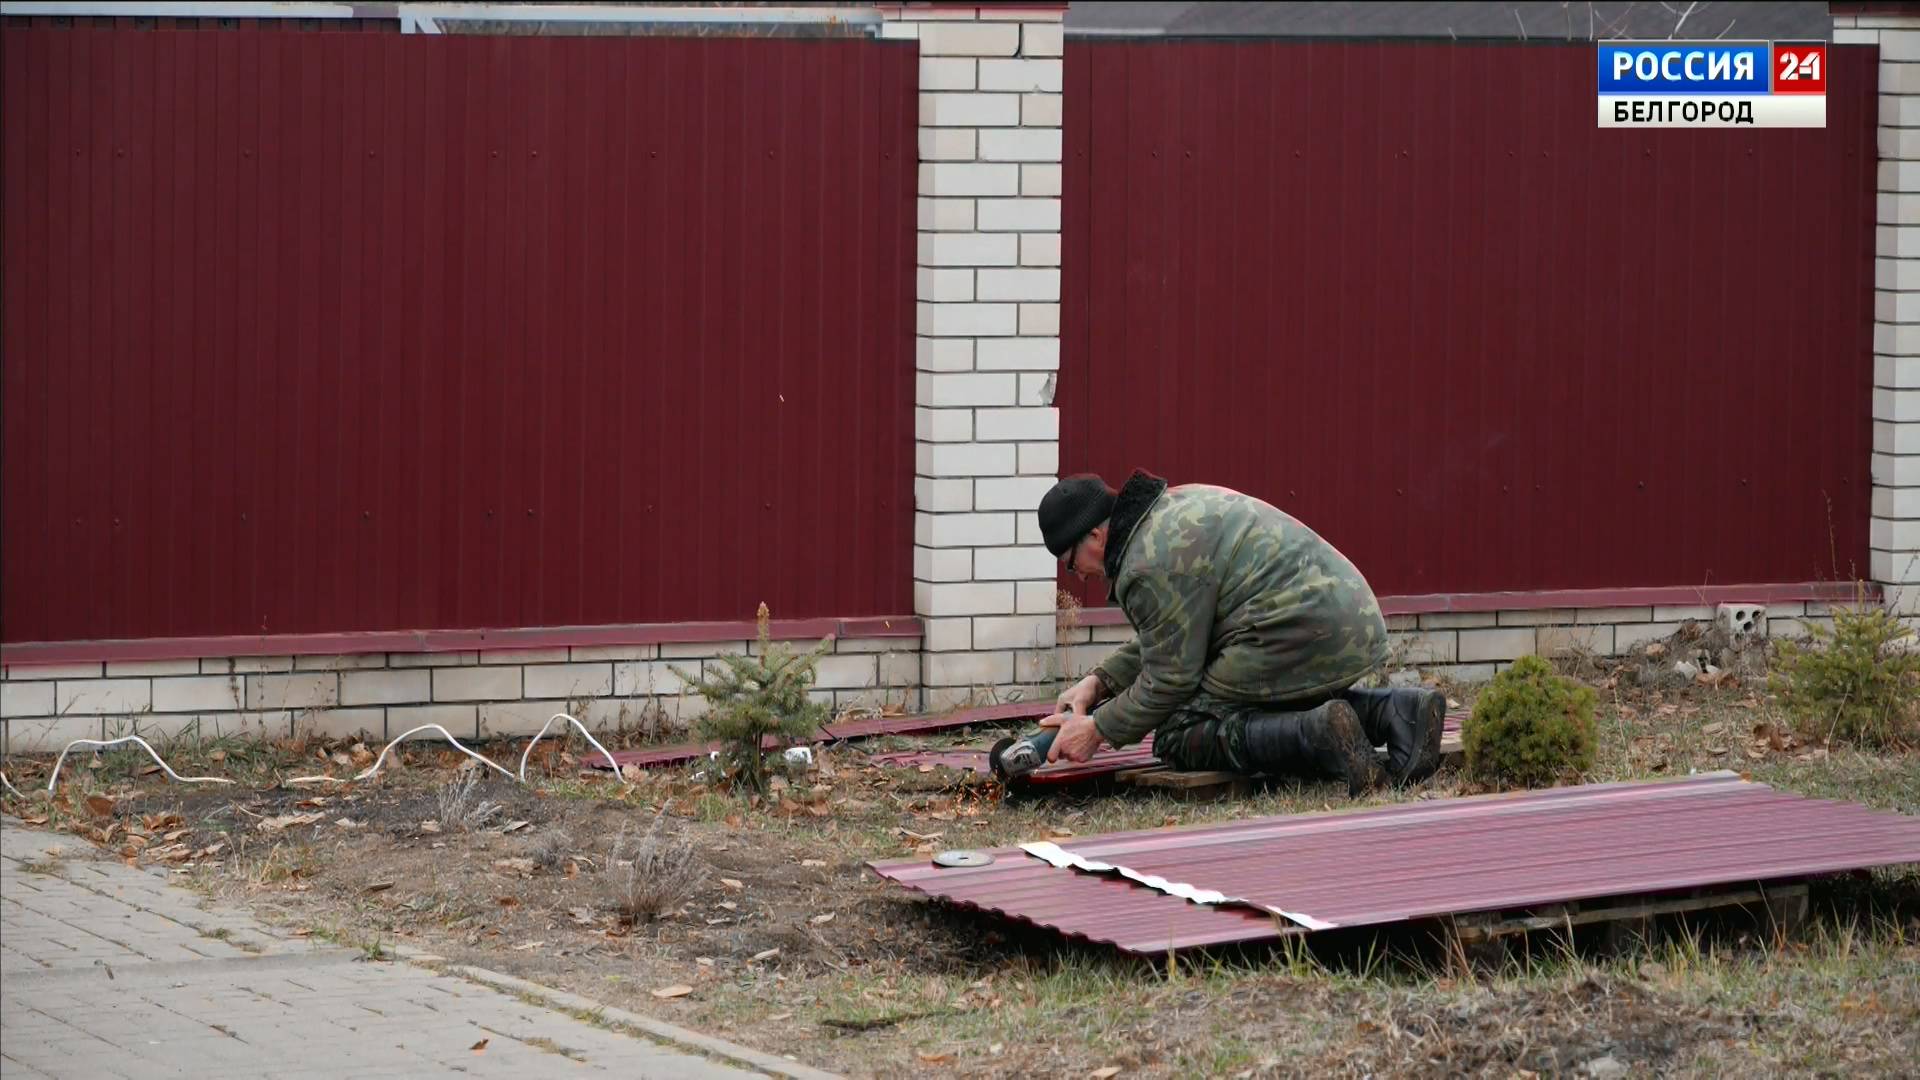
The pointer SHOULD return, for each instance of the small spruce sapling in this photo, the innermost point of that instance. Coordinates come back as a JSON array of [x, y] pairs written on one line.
[[751, 697]]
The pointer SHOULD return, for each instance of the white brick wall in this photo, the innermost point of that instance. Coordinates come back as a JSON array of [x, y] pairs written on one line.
[[989, 340], [1894, 531]]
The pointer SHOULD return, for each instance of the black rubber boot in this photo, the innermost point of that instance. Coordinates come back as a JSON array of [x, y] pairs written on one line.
[[1327, 740], [1408, 723]]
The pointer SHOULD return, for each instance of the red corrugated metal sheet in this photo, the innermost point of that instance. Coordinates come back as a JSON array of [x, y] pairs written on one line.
[[1451, 856], [319, 332], [1416, 297], [846, 729]]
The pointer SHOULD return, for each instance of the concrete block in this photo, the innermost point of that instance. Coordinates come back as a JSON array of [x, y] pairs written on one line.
[[568, 682], [1613, 615], [948, 635], [1014, 632], [1027, 76], [1042, 110], [44, 672], [650, 678], [1896, 502], [942, 494], [314, 690], [945, 286], [1897, 275], [1041, 145], [590, 653], [1900, 110], [367, 724], [245, 665], [963, 598], [1039, 459], [1039, 249], [1892, 306], [341, 662], [200, 693], [1017, 354], [1796, 628], [1040, 320], [523, 656], [971, 39], [1682, 613], [1014, 564], [476, 684], [48, 734], [1894, 406], [1016, 425], [1459, 620], [1886, 534], [900, 668], [461, 721], [1574, 640], [1019, 285], [144, 668], [969, 180], [1429, 647], [1502, 644], [943, 425], [432, 659], [942, 563], [1021, 494], [1899, 44], [265, 724], [968, 669], [969, 530], [1042, 39], [1895, 471], [95, 697], [948, 73], [1629, 636], [393, 687], [965, 459], [698, 650], [1894, 208], [1540, 617], [966, 320], [1036, 597], [1118, 634], [1466, 674], [26, 699], [520, 719], [943, 215], [969, 110], [965, 389], [1019, 215], [853, 672], [943, 354], [1036, 389], [1896, 339]]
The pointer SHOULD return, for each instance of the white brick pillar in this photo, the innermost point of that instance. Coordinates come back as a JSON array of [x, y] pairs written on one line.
[[1895, 531], [988, 342]]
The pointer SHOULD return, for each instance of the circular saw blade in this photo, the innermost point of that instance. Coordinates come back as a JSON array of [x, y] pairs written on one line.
[[963, 858]]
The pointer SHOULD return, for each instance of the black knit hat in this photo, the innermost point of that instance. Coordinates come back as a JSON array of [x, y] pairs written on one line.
[[1072, 508]]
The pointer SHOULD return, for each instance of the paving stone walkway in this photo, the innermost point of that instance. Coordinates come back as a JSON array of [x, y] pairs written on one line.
[[107, 971]]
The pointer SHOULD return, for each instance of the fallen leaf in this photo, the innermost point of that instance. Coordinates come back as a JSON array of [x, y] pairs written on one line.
[[429, 826], [728, 905], [95, 764], [516, 826], [314, 803], [175, 835], [514, 866], [378, 886], [781, 1016], [630, 773], [821, 920], [41, 820], [524, 947], [1656, 650], [733, 883], [217, 756], [507, 901], [347, 823], [362, 757], [1057, 831], [583, 916], [923, 837], [100, 805], [934, 1059], [926, 768], [1103, 1074], [812, 862], [765, 954], [343, 760], [287, 821], [677, 990], [1716, 750], [479, 1046], [704, 961], [1714, 728]]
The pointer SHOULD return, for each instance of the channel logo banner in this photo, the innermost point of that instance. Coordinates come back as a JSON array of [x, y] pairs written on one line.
[[1666, 84]]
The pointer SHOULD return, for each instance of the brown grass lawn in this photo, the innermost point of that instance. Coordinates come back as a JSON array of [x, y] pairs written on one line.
[[786, 943]]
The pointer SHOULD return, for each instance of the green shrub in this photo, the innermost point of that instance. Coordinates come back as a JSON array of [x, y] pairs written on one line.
[[1531, 728], [752, 697], [1856, 683]]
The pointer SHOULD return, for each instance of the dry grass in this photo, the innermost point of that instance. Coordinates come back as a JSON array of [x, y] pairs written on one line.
[[655, 873], [460, 807]]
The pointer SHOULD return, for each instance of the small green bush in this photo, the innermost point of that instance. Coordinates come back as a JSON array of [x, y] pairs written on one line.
[[1857, 683], [752, 697], [1531, 728]]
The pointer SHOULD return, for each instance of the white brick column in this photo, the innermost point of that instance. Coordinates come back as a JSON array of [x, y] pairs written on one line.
[[1894, 559], [988, 343]]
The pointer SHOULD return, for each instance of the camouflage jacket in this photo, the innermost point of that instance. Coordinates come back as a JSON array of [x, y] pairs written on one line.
[[1230, 596]]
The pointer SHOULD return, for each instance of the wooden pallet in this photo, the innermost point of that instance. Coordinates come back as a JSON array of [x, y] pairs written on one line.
[[1482, 937]]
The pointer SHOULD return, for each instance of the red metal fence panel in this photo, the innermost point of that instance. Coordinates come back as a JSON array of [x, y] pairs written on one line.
[[316, 332], [1412, 294]]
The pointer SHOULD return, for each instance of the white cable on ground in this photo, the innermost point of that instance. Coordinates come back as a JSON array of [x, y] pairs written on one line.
[[10, 787], [382, 759], [51, 780], [524, 754]]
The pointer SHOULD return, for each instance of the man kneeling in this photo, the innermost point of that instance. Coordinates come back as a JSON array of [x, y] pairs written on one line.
[[1250, 632]]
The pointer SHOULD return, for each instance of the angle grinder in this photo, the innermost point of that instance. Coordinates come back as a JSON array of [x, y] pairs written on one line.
[[1015, 756]]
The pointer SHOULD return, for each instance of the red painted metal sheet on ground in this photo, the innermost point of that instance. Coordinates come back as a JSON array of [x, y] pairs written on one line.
[[1421, 860], [1248, 232], [848, 729], [313, 333]]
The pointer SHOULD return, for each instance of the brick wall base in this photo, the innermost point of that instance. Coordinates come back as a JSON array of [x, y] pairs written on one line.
[[474, 695]]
